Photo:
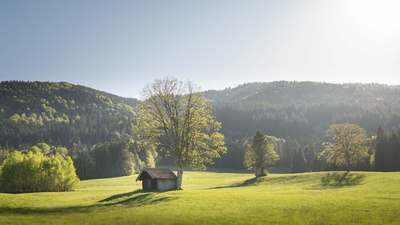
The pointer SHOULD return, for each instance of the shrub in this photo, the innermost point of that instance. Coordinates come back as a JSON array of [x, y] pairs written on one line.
[[41, 168]]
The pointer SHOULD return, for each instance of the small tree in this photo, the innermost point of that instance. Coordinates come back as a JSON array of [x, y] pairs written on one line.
[[260, 155], [349, 147]]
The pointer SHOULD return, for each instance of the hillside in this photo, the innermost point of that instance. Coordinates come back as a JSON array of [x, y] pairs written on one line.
[[304, 109], [61, 114], [300, 112], [215, 198]]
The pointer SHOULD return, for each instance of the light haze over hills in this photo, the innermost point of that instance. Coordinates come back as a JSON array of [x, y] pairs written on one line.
[[120, 46]]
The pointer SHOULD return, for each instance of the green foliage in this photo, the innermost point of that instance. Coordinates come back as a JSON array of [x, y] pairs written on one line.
[[395, 151], [381, 156], [288, 153], [349, 147], [41, 168], [3, 153], [299, 163], [260, 154], [177, 118], [63, 114], [78, 117], [142, 144], [108, 159], [301, 111], [387, 150]]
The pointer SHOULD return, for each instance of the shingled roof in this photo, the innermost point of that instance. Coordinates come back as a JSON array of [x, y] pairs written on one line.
[[157, 173]]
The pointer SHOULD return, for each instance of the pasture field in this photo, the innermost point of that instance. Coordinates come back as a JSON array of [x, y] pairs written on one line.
[[216, 198]]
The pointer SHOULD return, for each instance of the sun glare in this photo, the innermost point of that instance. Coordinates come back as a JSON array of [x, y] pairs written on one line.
[[379, 17]]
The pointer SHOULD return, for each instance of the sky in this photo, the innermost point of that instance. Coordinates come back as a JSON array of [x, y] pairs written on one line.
[[120, 46]]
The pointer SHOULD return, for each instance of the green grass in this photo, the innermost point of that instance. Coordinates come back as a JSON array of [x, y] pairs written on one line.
[[216, 198]]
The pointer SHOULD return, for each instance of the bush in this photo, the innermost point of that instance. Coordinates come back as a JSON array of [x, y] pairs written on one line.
[[41, 168]]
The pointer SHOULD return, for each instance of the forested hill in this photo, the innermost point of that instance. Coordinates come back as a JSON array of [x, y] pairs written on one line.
[[61, 113], [303, 110], [77, 117]]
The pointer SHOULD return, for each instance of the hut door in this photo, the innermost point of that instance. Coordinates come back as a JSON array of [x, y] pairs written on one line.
[[146, 184], [154, 184]]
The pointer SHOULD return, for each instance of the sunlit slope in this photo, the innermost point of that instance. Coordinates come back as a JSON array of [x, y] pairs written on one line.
[[217, 198], [60, 113]]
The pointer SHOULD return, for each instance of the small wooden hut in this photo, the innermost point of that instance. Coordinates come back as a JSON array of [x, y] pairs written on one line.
[[157, 179]]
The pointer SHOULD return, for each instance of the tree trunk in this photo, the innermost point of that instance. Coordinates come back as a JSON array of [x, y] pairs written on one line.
[[348, 166], [347, 171], [179, 181]]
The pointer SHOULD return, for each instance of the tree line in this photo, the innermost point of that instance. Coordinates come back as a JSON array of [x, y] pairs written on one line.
[[300, 113], [112, 159], [349, 148], [387, 150]]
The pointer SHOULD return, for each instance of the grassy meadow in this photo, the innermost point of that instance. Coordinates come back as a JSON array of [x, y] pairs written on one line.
[[216, 198]]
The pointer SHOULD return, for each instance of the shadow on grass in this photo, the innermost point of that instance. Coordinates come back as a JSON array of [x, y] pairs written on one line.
[[328, 180], [122, 195], [249, 182], [131, 199], [340, 179], [135, 198], [216, 170]]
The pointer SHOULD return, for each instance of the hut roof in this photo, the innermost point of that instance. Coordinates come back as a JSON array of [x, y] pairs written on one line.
[[157, 173]]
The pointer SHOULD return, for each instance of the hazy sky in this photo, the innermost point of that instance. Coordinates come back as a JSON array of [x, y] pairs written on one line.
[[119, 46]]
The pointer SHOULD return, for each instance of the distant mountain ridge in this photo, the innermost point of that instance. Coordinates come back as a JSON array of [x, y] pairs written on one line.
[[282, 92], [304, 109]]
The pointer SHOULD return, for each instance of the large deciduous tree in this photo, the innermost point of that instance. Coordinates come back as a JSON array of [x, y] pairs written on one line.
[[260, 154], [178, 119], [349, 147]]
